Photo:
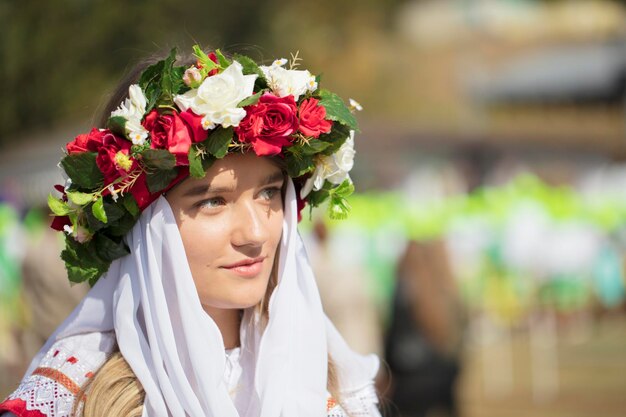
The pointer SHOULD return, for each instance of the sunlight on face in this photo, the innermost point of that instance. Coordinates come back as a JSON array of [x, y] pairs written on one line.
[[230, 222]]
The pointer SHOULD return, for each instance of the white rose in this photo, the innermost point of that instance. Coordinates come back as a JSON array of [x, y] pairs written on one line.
[[284, 82], [217, 97], [334, 168]]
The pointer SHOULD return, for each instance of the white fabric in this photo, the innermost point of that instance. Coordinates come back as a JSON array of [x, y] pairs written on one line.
[[176, 350]]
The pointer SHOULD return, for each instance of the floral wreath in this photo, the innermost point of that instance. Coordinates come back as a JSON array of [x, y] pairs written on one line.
[[175, 123]]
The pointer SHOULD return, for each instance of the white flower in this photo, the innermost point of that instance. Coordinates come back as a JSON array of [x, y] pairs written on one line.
[[334, 168], [279, 62], [354, 105], [133, 110], [284, 82], [217, 97], [68, 229]]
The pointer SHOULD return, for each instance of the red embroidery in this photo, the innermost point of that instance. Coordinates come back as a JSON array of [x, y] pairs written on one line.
[[59, 377], [330, 404], [72, 360], [56, 352], [18, 407], [88, 374]]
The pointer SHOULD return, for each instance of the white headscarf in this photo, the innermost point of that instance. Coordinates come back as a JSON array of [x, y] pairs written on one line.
[[176, 350]]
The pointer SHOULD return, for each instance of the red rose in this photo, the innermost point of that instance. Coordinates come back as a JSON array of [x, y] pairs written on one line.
[[175, 132], [269, 124], [86, 142], [114, 160], [312, 118]]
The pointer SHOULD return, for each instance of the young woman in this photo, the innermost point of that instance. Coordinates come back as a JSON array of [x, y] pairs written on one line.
[[182, 213]]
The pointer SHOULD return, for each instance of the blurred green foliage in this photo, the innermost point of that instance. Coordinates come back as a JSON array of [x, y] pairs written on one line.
[[58, 59]]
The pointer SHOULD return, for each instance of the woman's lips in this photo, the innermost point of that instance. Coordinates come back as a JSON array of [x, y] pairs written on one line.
[[247, 268]]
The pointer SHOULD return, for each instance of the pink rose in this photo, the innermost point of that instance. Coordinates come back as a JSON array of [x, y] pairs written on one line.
[[89, 142], [313, 118], [175, 132], [269, 124], [114, 160]]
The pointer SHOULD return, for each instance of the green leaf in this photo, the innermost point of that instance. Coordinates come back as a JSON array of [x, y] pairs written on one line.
[[316, 198], [82, 262], [345, 189], [82, 169], [98, 210], [313, 147], [150, 83], [338, 208], [224, 62], [109, 250], [178, 85], [195, 163], [207, 63], [79, 198], [336, 137], [130, 204], [249, 66], [122, 226], [299, 164], [253, 99], [159, 180], [218, 141], [337, 110], [159, 159], [57, 206], [168, 80], [117, 125]]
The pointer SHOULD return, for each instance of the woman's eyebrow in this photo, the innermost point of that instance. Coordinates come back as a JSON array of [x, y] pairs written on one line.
[[275, 177], [202, 189]]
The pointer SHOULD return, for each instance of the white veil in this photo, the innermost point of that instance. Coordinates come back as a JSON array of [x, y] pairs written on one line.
[[176, 350]]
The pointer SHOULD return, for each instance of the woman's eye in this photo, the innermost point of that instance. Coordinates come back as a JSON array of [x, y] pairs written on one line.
[[269, 193], [212, 202]]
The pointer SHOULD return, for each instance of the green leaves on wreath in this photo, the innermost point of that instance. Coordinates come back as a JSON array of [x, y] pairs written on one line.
[[88, 261], [337, 110], [161, 81], [338, 206], [82, 170], [335, 138], [199, 160], [299, 160], [117, 125], [161, 168]]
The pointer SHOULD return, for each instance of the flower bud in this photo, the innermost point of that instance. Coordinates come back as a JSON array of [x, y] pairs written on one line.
[[192, 77]]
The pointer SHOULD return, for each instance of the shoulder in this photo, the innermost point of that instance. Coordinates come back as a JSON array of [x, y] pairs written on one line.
[[361, 402], [50, 390]]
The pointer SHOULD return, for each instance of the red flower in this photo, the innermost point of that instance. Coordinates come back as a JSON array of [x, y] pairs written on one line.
[[269, 124], [312, 118], [175, 132], [89, 142], [114, 160]]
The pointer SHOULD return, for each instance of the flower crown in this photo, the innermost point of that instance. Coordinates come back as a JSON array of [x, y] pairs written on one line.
[[175, 123]]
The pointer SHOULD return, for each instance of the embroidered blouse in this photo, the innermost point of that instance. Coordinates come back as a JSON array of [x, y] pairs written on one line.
[[51, 389]]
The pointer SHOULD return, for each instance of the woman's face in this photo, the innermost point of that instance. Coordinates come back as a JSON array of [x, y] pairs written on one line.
[[230, 222]]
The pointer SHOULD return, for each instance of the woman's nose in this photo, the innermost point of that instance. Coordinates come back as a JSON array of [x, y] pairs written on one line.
[[250, 228]]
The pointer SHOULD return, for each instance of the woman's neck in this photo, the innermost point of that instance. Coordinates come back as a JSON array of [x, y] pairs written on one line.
[[229, 322]]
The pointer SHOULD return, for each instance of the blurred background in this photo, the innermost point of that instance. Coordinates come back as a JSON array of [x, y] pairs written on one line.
[[484, 257]]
